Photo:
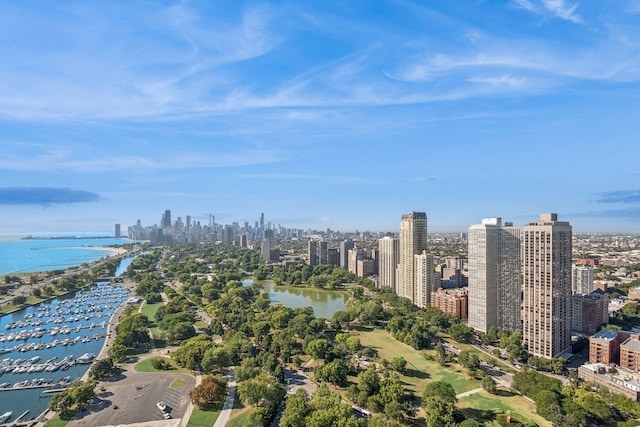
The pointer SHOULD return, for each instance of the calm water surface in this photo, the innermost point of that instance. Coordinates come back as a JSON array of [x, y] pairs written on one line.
[[25, 256], [324, 303]]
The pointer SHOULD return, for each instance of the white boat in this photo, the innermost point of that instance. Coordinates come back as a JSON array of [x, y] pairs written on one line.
[[86, 358], [4, 417]]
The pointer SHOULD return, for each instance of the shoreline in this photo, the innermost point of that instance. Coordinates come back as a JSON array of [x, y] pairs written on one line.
[[112, 252]]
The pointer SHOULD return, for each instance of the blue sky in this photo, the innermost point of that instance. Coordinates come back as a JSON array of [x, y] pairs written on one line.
[[340, 114]]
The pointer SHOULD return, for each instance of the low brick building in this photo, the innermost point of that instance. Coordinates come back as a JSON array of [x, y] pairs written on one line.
[[453, 301]]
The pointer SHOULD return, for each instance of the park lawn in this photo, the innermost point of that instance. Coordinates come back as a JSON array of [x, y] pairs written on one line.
[[146, 366], [420, 371], [150, 310], [202, 418], [516, 404], [486, 356], [240, 417], [31, 300], [240, 414], [56, 422]]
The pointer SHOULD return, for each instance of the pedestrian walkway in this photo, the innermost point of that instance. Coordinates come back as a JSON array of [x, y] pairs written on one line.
[[225, 414], [191, 407], [468, 393]]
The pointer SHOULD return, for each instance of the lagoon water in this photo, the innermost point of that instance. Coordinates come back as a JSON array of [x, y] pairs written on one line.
[[324, 303], [24, 256]]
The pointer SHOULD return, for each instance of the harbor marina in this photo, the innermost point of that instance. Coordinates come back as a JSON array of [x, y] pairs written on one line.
[[49, 346]]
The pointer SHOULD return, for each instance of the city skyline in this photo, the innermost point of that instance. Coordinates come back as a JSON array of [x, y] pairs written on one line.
[[330, 115]]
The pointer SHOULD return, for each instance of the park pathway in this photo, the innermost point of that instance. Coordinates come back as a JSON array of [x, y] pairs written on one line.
[[468, 393], [225, 414]]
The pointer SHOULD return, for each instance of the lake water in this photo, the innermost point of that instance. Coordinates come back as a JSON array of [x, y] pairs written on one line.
[[324, 303], [18, 255], [102, 297]]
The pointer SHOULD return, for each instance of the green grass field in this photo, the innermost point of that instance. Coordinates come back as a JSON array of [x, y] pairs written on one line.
[[517, 405], [420, 371], [240, 414], [201, 418], [145, 366], [150, 310], [56, 422]]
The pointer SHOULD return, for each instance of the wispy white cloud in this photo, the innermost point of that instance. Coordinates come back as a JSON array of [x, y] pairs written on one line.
[[182, 65], [502, 81], [336, 179], [72, 161], [171, 64], [527, 5], [561, 9], [557, 8]]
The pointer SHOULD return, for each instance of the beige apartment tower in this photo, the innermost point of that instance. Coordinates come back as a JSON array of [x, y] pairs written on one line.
[[413, 241], [546, 309], [494, 264], [389, 257], [424, 279]]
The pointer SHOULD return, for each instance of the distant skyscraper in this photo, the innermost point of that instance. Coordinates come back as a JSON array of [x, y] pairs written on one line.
[[389, 257], [312, 253], [118, 231], [494, 276], [345, 247], [227, 235], [413, 240], [333, 256], [262, 221], [546, 312], [267, 245], [318, 253], [582, 279], [166, 219]]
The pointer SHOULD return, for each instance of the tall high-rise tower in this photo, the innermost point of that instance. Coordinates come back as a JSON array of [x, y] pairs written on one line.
[[413, 240], [267, 245], [345, 247], [494, 275], [546, 312], [317, 253], [424, 279], [389, 256], [582, 279], [166, 219]]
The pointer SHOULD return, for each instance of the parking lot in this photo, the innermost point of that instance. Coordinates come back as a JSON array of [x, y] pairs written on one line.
[[133, 399]]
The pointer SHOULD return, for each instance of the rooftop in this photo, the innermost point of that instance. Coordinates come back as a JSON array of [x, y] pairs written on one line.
[[605, 334], [633, 343]]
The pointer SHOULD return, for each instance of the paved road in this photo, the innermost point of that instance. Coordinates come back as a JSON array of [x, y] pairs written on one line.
[[223, 418], [299, 379]]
